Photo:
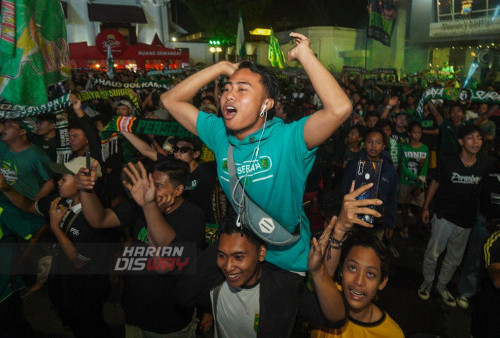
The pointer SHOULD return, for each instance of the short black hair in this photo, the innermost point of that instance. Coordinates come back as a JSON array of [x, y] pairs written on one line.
[[210, 98], [367, 239], [268, 78], [457, 104], [467, 130], [195, 142], [414, 124], [177, 171], [46, 117], [228, 226], [376, 130], [383, 123], [74, 124]]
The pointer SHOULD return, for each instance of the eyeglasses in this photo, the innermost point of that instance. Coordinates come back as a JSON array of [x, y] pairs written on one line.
[[183, 150]]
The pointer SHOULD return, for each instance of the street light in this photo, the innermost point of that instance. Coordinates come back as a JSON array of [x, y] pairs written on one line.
[[214, 50]]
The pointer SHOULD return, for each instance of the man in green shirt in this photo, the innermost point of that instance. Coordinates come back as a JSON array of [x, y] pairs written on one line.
[[26, 169]]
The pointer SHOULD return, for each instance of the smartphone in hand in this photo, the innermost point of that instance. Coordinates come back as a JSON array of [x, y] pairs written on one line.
[[368, 172], [87, 162]]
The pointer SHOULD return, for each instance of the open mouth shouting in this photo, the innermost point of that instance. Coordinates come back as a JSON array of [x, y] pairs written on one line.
[[229, 112]]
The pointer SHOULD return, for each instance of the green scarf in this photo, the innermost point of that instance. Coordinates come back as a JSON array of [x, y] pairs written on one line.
[[455, 94], [136, 125]]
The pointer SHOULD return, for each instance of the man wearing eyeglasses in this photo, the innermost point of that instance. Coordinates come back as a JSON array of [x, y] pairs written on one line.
[[271, 158]]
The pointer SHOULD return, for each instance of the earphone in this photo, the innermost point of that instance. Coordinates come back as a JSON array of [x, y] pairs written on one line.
[[263, 111]]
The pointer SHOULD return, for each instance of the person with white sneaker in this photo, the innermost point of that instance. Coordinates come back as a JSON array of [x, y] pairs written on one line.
[[455, 191]]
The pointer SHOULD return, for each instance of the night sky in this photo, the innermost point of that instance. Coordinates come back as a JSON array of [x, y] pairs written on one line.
[[285, 14]]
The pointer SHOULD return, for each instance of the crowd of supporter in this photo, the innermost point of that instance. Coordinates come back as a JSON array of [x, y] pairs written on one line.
[[441, 164]]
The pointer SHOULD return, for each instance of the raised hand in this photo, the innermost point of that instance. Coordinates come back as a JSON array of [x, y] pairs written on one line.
[[141, 185], [83, 180], [319, 247], [301, 45], [56, 213], [351, 208]]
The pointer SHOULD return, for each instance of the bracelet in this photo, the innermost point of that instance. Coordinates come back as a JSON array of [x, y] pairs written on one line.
[[335, 244]]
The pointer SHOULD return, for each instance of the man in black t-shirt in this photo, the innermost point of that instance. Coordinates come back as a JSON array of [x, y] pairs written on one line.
[[455, 191], [160, 218], [46, 135]]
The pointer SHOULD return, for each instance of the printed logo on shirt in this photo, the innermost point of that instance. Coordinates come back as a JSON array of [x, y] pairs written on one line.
[[254, 171], [75, 232], [9, 170], [143, 235], [192, 185], [459, 179], [495, 198]]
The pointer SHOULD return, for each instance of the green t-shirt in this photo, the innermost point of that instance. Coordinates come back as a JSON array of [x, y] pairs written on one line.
[[26, 171], [414, 163]]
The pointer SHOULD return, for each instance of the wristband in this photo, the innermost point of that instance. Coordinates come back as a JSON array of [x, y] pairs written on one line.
[[335, 244], [390, 107]]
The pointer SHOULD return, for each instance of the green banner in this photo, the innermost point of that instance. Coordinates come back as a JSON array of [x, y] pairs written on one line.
[[34, 52], [143, 84], [106, 94]]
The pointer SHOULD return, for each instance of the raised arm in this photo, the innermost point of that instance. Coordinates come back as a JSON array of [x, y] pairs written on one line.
[[69, 249], [393, 102], [143, 190], [437, 116], [336, 105], [348, 216], [178, 99], [94, 212], [329, 297], [141, 146]]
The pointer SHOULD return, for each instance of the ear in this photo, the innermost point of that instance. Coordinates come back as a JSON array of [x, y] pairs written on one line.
[[179, 190], [384, 283], [196, 154], [262, 251], [269, 104], [461, 142]]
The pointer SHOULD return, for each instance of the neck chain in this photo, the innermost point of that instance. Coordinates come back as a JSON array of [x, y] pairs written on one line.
[[469, 164]]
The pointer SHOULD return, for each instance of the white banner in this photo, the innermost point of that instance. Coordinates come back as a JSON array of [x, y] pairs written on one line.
[[464, 27]]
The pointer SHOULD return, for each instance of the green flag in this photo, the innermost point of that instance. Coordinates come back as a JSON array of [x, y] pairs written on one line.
[[275, 54], [34, 52], [382, 20], [240, 39]]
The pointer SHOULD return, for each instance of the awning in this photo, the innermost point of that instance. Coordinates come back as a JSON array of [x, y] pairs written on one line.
[[116, 13]]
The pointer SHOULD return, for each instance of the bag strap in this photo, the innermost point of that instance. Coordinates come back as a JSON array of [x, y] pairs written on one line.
[[251, 215]]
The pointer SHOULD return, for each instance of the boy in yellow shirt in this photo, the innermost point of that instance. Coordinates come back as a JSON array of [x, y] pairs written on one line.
[[363, 272]]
